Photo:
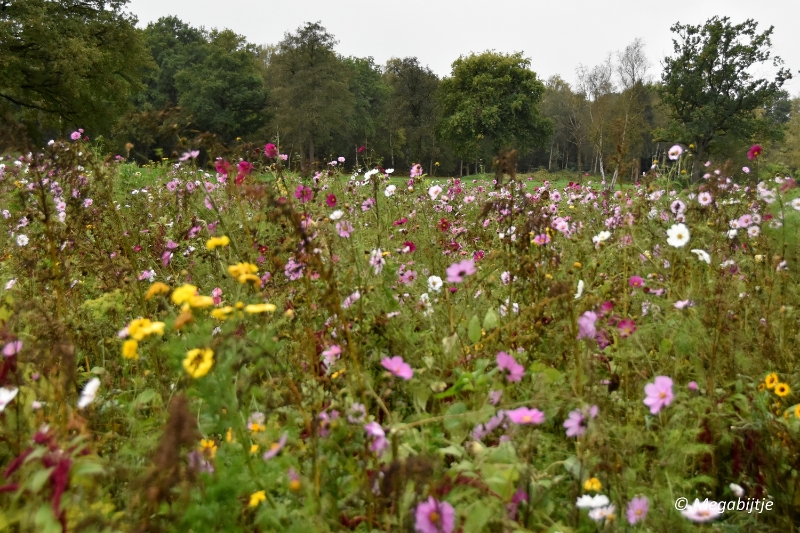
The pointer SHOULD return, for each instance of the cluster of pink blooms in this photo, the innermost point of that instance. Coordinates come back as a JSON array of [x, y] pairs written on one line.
[[587, 325]]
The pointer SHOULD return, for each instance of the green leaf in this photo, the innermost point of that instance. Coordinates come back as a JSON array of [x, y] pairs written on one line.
[[46, 521], [145, 397], [453, 450], [474, 329], [491, 320], [87, 468], [478, 515], [37, 480]]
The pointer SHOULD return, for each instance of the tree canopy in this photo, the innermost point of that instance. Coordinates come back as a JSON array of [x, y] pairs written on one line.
[[709, 85]]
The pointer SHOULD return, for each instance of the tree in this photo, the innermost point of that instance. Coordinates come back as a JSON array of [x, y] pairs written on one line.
[[68, 63], [413, 112], [370, 98], [709, 87], [311, 87], [496, 97]]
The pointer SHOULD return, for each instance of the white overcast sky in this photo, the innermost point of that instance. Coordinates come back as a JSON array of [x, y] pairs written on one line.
[[557, 35]]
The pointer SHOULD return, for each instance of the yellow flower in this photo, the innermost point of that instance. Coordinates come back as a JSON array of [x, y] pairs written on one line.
[[782, 389], [240, 269], [294, 485], [210, 445], [260, 308], [244, 278], [198, 362], [200, 301], [593, 484], [255, 427], [771, 380], [140, 328], [577, 265], [761, 387], [229, 435], [253, 448], [797, 410], [156, 288], [239, 305], [338, 373], [222, 312], [183, 294], [129, 349], [213, 242], [257, 497]]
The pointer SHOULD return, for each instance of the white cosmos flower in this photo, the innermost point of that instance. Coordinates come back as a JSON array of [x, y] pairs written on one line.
[[389, 191], [704, 511], [11, 283], [336, 215], [732, 233], [737, 490], [22, 240], [434, 192], [601, 237], [435, 283], [702, 255], [602, 513], [678, 235], [581, 285], [592, 502], [389, 170], [88, 393], [6, 395], [675, 152], [796, 203]]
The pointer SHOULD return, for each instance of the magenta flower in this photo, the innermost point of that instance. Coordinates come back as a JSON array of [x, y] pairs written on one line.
[[523, 415], [586, 327], [637, 510], [692, 386], [508, 363], [457, 271], [635, 281], [626, 327], [754, 152], [379, 441], [12, 348], [659, 394], [331, 355], [330, 200], [541, 239], [270, 150], [303, 193], [434, 516], [75, 135], [398, 367], [245, 168]]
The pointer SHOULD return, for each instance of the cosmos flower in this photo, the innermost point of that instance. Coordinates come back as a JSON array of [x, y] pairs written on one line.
[[397, 366], [702, 255], [675, 152], [658, 394], [276, 447], [678, 235], [88, 393], [586, 325], [6, 396], [704, 511], [514, 370], [434, 516], [524, 415], [458, 271], [754, 152], [434, 283]]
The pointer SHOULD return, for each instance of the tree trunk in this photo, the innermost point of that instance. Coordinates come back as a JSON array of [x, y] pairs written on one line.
[[461, 170], [311, 155], [550, 160]]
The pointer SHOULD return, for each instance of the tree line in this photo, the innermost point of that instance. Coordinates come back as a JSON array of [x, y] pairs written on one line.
[[157, 92]]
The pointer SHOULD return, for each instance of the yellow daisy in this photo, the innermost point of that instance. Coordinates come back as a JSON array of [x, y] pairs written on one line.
[[129, 348], [782, 389], [183, 294], [213, 242], [771, 380], [260, 308], [156, 288], [198, 362]]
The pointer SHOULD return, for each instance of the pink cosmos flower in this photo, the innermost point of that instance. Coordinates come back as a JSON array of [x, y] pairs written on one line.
[[330, 200], [379, 441], [637, 510], [705, 198], [586, 325], [541, 239], [635, 281], [692, 386], [514, 370], [416, 170], [457, 271], [344, 228], [12, 348], [626, 327], [303, 193], [398, 367], [216, 295], [75, 135], [659, 394], [524, 415], [270, 150], [434, 516], [276, 448], [331, 355], [754, 152]]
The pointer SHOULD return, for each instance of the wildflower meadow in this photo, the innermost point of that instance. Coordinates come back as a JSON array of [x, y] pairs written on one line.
[[237, 348]]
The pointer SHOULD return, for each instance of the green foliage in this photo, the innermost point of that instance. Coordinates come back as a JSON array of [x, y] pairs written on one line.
[[709, 86], [496, 97], [67, 64]]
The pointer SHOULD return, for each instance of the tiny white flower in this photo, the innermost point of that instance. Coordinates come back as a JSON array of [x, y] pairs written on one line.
[[796, 203], [737, 490], [601, 237], [389, 191], [435, 283], [592, 502], [336, 215], [434, 192], [702, 255], [6, 395], [10, 284], [22, 240], [578, 294]]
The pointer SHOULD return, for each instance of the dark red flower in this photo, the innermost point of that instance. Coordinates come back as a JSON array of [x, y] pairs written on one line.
[[222, 166], [477, 256], [270, 150], [754, 151], [330, 200], [400, 222], [444, 224], [361, 149], [410, 245]]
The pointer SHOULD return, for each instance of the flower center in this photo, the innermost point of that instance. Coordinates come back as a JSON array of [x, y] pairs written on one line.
[[274, 446], [433, 517], [662, 395], [527, 418]]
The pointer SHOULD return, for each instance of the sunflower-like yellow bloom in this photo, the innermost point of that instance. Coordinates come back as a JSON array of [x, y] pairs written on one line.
[[129, 349], [260, 308], [782, 389], [183, 294], [208, 445], [241, 269], [198, 362], [222, 313], [213, 242], [156, 288], [771, 380], [140, 328]]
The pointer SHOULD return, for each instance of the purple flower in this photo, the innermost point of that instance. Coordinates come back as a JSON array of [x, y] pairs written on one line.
[[434, 516], [659, 394], [574, 424], [637, 510], [508, 363], [379, 442], [344, 228], [524, 415], [586, 328], [457, 271], [398, 367], [692, 386], [276, 447], [331, 355], [303, 193]]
